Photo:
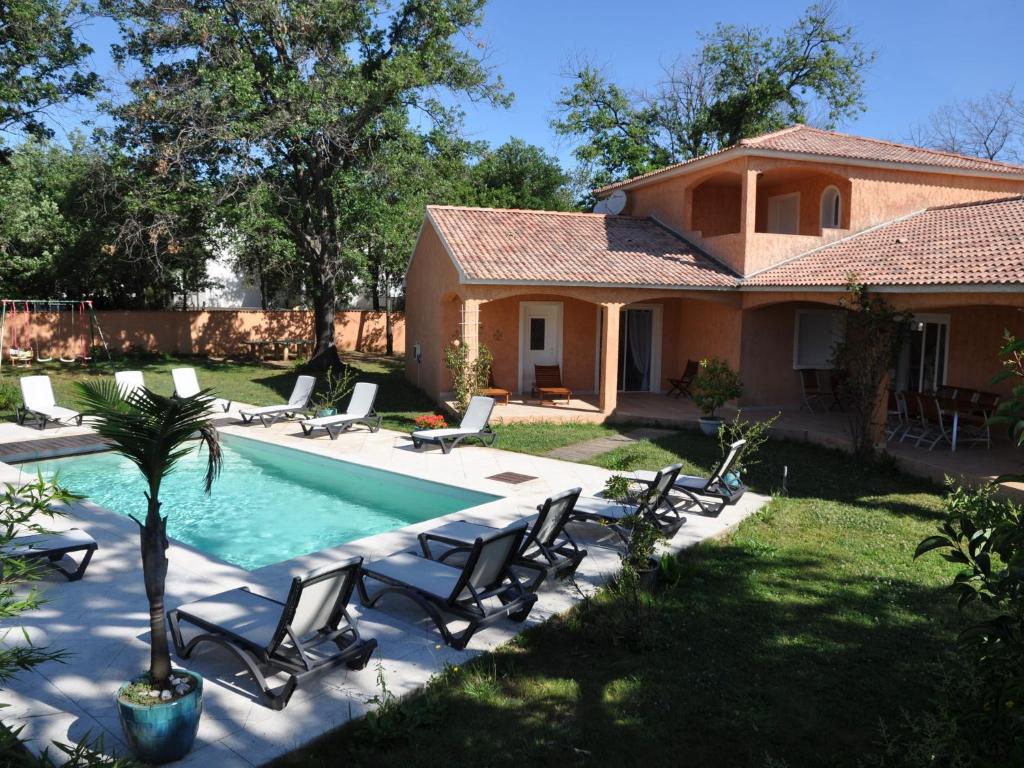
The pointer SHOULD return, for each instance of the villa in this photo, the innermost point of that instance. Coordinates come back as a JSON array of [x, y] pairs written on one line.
[[742, 254]]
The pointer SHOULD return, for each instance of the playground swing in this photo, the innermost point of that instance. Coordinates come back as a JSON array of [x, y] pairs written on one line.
[[81, 332], [38, 346], [60, 323]]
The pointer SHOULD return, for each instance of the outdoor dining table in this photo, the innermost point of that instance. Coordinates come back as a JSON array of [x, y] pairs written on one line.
[[958, 408], [258, 345]]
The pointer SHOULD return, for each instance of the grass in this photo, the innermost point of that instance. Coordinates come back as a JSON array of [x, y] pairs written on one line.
[[787, 643], [540, 437]]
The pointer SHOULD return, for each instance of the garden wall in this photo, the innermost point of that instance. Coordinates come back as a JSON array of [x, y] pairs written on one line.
[[197, 332]]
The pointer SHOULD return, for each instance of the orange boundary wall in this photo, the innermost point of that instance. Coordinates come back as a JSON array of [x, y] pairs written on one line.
[[200, 332]]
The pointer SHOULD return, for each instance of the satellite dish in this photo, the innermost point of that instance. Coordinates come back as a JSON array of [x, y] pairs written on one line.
[[616, 202], [601, 207]]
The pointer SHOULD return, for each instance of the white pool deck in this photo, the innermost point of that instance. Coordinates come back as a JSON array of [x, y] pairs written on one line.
[[103, 619]]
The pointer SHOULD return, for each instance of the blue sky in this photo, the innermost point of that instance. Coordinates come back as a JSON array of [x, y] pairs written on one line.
[[929, 53]]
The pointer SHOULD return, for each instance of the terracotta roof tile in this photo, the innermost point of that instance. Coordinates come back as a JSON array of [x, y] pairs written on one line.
[[803, 139], [968, 244], [543, 246]]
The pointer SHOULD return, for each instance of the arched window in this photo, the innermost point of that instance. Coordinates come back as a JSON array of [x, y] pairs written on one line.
[[831, 209]]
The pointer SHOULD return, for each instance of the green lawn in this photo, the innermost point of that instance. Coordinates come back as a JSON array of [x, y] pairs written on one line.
[[785, 644]]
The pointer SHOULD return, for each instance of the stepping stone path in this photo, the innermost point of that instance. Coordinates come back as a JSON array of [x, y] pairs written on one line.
[[588, 448]]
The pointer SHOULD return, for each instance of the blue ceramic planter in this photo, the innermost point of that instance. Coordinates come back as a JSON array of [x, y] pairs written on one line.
[[161, 733]]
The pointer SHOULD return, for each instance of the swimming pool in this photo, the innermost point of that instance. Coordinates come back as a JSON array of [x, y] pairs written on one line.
[[269, 504]]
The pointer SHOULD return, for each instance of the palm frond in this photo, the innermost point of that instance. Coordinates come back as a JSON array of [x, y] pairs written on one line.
[[154, 432]]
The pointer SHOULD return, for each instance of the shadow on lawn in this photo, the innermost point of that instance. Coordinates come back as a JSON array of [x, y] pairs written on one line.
[[750, 655]]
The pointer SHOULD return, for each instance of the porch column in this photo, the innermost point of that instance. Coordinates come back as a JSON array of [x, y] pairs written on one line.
[[471, 327], [609, 378]]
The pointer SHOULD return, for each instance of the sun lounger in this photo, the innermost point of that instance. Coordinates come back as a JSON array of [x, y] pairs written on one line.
[[500, 395], [681, 386], [482, 591], [474, 424], [360, 411], [548, 384], [308, 634], [37, 403], [128, 381], [547, 550], [297, 403], [187, 385], [654, 503], [723, 485], [53, 547]]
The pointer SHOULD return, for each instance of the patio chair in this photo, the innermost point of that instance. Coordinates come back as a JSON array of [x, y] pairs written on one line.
[[918, 427], [129, 381], [298, 402], [474, 424], [187, 385], [482, 591], [810, 389], [937, 420], [897, 415], [53, 547], [38, 404], [492, 390], [681, 386], [722, 485], [308, 634], [359, 411], [654, 503], [548, 384], [548, 550]]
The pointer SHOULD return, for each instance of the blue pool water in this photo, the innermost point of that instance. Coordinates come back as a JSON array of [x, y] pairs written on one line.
[[269, 503]]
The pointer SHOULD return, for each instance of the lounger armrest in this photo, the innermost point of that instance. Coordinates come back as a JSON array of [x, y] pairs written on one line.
[[454, 544]]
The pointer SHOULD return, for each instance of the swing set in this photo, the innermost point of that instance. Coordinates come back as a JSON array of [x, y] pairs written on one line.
[[76, 322]]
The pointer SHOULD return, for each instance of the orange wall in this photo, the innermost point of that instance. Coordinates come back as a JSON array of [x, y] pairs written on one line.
[[716, 209], [810, 189], [199, 332], [432, 312], [499, 330]]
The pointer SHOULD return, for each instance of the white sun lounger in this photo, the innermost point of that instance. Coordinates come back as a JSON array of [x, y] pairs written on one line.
[[187, 385], [297, 403], [37, 403], [359, 411], [474, 424], [129, 381]]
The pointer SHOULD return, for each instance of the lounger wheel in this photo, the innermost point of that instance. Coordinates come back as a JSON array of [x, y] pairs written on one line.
[[417, 443], [360, 661]]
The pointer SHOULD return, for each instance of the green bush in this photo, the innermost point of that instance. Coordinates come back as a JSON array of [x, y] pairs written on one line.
[[985, 534], [716, 384], [9, 395]]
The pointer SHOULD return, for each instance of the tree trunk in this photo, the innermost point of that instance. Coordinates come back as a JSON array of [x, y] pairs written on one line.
[[389, 336], [153, 540]]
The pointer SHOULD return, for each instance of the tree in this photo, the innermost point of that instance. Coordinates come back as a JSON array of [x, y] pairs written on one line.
[[293, 95], [40, 62], [743, 82], [989, 126], [154, 432], [519, 175], [875, 333]]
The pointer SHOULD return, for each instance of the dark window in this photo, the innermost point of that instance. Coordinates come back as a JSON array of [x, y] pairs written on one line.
[[536, 333]]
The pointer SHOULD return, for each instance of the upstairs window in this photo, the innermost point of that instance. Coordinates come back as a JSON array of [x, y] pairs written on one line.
[[831, 209]]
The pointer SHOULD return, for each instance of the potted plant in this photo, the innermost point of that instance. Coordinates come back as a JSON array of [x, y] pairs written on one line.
[[329, 398], [716, 385], [159, 709], [638, 561]]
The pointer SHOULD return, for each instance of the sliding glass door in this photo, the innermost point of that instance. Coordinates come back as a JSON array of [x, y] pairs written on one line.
[[923, 359]]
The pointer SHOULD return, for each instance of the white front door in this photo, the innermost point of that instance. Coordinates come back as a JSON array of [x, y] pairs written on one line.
[[540, 338]]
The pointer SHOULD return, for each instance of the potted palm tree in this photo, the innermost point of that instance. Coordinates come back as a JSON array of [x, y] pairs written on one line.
[[159, 709]]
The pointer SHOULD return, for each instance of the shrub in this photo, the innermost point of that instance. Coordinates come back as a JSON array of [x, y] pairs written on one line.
[[1011, 411], [754, 432], [468, 378], [9, 395], [985, 534], [716, 384], [874, 336], [335, 389]]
